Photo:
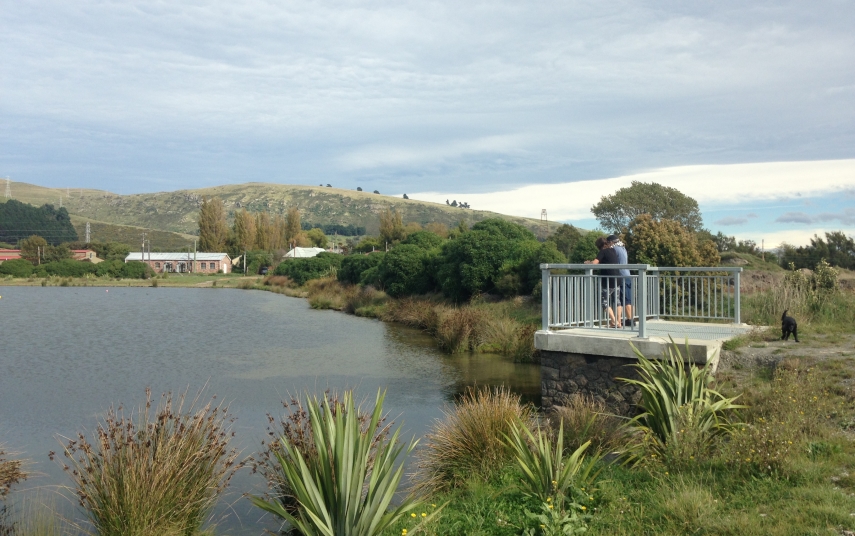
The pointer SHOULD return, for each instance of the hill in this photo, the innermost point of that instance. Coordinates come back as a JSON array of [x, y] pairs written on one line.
[[176, 211]]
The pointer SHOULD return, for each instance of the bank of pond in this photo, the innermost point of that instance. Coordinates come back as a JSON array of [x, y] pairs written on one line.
[[770, 453]]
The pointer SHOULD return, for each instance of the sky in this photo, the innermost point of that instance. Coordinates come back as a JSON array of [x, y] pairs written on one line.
[[749, 107]]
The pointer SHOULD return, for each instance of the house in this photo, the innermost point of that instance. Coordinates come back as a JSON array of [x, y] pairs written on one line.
[[85, 255], [184, 262], [302, 253], [9, 254]]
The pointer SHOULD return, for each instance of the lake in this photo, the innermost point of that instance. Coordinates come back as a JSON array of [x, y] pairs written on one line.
[[68, 353]]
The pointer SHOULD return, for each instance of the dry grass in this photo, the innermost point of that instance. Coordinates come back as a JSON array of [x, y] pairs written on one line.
[[587, 419], [11, 472], [157, 472], [470, 441]]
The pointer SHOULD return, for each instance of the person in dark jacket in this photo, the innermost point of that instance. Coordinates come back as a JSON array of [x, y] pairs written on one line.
[[609, 283], [626, 283]]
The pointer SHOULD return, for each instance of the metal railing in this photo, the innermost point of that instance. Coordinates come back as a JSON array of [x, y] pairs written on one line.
[[580, 296]]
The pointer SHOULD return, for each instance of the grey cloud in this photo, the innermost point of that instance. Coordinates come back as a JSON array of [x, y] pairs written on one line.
[[751, 215], [794, 217], [731, 221], [847, 217], [287, 92]]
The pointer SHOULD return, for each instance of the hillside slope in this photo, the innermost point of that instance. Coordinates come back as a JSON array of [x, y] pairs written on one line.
[[177, 211]]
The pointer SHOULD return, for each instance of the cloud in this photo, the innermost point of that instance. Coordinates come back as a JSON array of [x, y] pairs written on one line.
[[723, 185], [847, 217], [751, 215], [731, 221]]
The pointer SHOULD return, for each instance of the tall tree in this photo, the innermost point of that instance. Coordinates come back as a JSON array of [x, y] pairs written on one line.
[[565, 239], [391, 225], [668, 243], [33, 248], [279, 233], [262, 231], [213, 230], [618, 210], [244, 230], [292, 224]]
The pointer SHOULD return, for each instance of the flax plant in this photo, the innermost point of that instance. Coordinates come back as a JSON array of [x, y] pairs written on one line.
[[346, 486], [158, 471], [682, 413], [548, 474]]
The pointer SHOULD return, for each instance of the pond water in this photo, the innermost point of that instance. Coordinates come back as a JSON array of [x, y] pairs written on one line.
[[68, 353]]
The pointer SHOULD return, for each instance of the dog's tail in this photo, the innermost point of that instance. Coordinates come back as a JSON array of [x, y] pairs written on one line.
[[783, 316]]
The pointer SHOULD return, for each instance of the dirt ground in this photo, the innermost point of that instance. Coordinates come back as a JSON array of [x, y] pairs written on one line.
[[765, 349]]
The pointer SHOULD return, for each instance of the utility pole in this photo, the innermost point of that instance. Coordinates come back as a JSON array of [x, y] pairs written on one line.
[[88, 237], [763, 249], [8, 187], [142, 249], [60, 200], [194, 256]]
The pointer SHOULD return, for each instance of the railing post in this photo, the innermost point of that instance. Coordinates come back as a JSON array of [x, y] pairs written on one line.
[[642, 305], [592, 303], [737, 309], [545, 296]]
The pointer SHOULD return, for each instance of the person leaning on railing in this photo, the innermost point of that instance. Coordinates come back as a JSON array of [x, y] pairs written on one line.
[[626, 283], [609, 287]]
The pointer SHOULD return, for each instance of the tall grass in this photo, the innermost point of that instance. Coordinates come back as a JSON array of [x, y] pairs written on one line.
[[586, 419], [469, 442], [346, 485], [158, 471]]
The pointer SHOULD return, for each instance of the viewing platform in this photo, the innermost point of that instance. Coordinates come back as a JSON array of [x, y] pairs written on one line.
[[589, 319]]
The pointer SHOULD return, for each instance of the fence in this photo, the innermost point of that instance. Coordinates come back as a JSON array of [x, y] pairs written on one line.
[[582, 296]]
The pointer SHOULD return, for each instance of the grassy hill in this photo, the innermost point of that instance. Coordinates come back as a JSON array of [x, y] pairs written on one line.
[[176, 212]]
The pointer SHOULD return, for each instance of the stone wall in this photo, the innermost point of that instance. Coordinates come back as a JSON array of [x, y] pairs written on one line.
[[566, 374]]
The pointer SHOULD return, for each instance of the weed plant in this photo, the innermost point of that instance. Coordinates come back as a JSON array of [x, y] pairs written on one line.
[[469, 442], [158, 471], [346, 485]]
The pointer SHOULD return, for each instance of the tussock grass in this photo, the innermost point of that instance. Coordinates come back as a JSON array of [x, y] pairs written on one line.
[[158, 471], [470, 441], [586, 419]]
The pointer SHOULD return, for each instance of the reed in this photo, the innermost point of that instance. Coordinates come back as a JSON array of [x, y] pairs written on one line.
[[470, 441], [11, 472], [157, 471]]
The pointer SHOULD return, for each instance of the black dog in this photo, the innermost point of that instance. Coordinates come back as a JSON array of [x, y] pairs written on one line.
[[788, 325]]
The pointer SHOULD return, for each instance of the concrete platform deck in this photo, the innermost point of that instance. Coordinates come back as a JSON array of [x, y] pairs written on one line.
[[704, 340]]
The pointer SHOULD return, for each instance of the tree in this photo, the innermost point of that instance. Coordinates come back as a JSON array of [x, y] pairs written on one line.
[[404, 270], [317, 237], [565, 239], [438, 229], [391, 225], [405, 196], [359, 188], [586, 248], [263, 231], [213, 230], [376, 192], [292, 224], [504, 228], [244, 231], [618, 210], [33, 248], [667, 243]]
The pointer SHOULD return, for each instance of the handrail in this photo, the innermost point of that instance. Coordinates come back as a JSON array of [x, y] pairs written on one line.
[[581, 300]]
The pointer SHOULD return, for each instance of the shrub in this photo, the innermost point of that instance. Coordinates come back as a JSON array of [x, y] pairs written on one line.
[[424, 240], [16, 268], [109, 268], [353, 266], [302, 270], [69, 268], [403, 271], [157, 472], [345, 483], [682, 414], [471, 262], [470, 440], [136, 270]]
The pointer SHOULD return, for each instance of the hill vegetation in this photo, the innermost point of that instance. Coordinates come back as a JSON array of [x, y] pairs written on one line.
[[178, 211]]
